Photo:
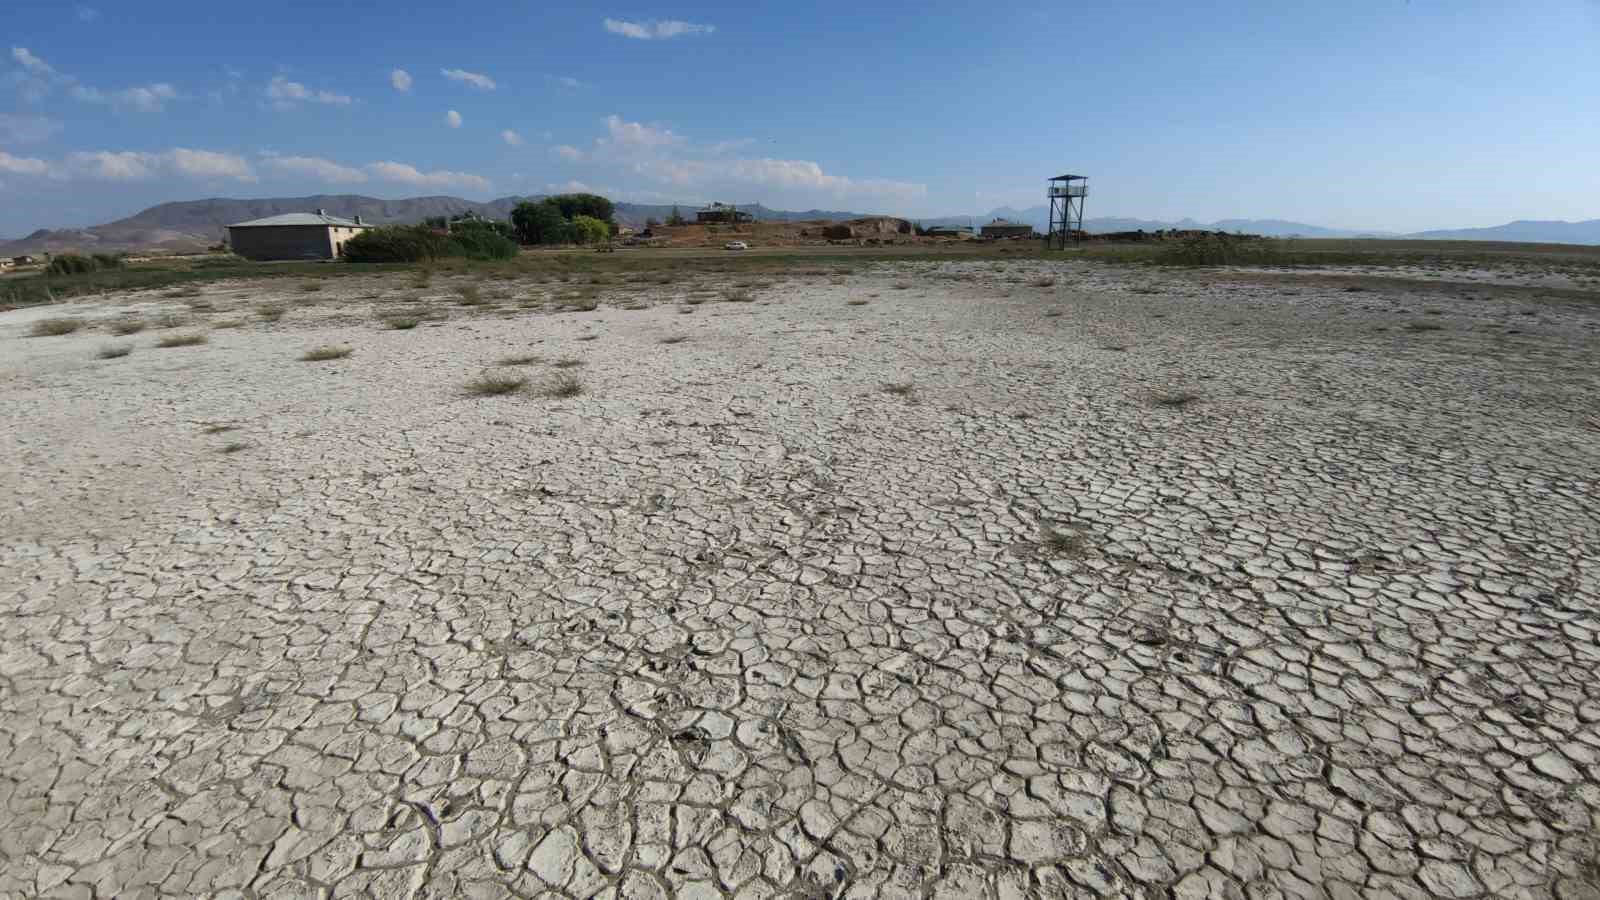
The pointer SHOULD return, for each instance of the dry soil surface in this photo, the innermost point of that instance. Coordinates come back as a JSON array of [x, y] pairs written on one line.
[[1130, 585]]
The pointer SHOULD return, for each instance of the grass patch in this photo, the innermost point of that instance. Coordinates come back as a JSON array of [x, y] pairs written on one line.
[[401, 323], [674, 339], [127, 326], [188, 291], [114, 351], [182, 340], [526, 360], [857, 302], [1175, 399], [1424, 326], [229, 323], [899, 388], [312, 287], [1063, 542], [470, 295], [234, 446], [738, 295], [55, 327], [218, 429], [495, 384], [568, 363], [562, 386], [1043, 282], [270, 312], [322, 354]]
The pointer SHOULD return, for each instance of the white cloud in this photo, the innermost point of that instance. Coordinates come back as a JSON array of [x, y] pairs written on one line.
[[26, 129], [570, 187], [22, 165], [401, 79], [482, 82], [142, 98], [209, 164], [635, 136], [30, 62], [131, 166], [656, 29], [285, 94], [452, 118], [86, 14], [400, 172], [569, 81], [314, 167], [568, 153], [511, 137]]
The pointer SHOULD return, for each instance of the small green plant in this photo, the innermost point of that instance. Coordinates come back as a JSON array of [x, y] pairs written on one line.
[[55, 327], [563, 385], [495, 384], [322, 354], [114, 351], [126, 326], [182, 340]]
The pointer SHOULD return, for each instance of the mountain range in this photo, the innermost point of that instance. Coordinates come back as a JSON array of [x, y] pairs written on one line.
[[194, 224]]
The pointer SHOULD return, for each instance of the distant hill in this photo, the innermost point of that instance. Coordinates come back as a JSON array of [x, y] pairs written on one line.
[[196, 224], [1535, 231]]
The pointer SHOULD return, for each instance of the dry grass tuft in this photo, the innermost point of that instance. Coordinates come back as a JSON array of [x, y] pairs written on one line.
[[738, 296], [401, 323], [899, 388], [1424, 326], [218, 429], [568, 363], [234, 446], [495, 384], [1043, 282], [1062, 542], [322, 354], [55, 327], [562, 386], [114, 351], [470, 295], [127, 326], [675, 339], [311, 287], [270, 312], [1174, 399], [182, 340], [857, 302], [526, 360]]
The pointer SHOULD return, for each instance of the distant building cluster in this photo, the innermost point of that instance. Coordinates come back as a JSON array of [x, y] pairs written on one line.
[[1002, 228], [722, 214]]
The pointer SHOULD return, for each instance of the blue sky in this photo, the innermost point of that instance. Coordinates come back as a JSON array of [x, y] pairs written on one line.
[[1392, 115]]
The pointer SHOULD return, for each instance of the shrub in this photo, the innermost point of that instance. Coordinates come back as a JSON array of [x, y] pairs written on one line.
[[493, 384], [323, 354], [114, 351], [590, 230], [55, 327], [396, 244], [479, 243], [182, 340], [563, 385], [73, 264]]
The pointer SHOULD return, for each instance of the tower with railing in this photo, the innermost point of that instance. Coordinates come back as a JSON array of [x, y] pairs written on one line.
[[1066, 195]]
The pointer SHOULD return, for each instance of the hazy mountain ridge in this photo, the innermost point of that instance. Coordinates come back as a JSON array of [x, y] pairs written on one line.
[[195, 224]]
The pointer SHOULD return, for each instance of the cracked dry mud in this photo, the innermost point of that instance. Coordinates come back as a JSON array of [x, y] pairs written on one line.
[[737, 621]]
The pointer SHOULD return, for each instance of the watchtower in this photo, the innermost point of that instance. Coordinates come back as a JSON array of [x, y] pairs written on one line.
[[1066, 195]]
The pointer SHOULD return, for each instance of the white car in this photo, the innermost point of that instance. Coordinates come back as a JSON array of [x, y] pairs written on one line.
[[736, 245]]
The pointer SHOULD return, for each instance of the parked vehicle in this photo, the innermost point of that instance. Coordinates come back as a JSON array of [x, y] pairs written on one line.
[[736, 245]]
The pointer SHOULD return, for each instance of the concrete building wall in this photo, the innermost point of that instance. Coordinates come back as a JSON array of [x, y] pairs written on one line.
[[291, 241], [283, 242]]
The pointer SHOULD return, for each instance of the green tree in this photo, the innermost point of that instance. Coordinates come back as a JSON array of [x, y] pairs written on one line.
[[538, 223], [574, 205], [590, 230], [676, 218]]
